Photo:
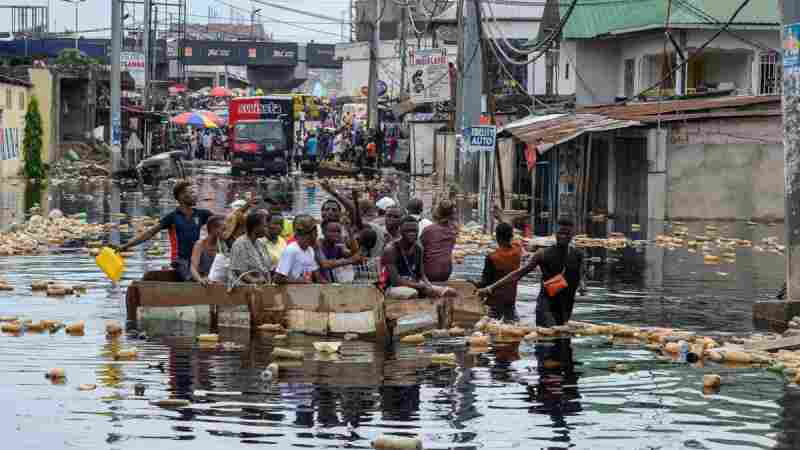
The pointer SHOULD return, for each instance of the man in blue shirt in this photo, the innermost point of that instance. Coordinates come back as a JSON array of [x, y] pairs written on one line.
[[311, 149], [184, 226]]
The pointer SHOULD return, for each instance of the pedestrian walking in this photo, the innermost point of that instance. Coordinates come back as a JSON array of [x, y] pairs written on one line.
[[561, 278]]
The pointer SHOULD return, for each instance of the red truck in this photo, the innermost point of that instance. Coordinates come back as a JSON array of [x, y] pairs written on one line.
[[261, 132]]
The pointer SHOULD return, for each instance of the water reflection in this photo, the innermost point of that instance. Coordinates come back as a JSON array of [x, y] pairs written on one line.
[[556, 393]]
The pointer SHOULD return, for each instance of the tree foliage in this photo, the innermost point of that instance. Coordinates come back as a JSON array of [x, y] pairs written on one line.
[[32, 141]]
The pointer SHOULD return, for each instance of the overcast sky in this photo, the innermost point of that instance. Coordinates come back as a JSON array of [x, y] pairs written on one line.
[[94, 14]]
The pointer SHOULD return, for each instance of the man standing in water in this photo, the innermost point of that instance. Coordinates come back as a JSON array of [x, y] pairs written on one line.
[[560, 259], [184, 226]]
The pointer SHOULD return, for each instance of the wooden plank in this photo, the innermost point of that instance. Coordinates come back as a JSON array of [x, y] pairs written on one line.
[[155, 293], [361, 322], [772, 346], [310, 322], [342, 298], [395, 309], [303, 296]]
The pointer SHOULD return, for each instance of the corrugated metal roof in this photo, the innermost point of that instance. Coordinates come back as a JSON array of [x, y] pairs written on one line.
[[599, 17], [647, 111], [551, 130]]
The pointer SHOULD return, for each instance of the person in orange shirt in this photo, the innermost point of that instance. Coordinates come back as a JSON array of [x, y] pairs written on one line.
[[503, 261], [372, 154]]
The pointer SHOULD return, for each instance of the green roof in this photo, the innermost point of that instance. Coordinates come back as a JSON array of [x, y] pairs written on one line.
[[598, 17]]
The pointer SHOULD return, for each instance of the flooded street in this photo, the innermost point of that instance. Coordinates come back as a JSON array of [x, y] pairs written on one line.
[[505, 398]]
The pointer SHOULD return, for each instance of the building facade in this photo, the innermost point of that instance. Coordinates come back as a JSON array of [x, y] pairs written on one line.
[[14, 97], [611, 51]]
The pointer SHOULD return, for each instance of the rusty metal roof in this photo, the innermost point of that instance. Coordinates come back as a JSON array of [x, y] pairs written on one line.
[[553, 129], [649, 111]]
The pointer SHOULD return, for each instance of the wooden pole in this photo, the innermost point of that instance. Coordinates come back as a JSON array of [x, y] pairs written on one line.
[[587, 177]]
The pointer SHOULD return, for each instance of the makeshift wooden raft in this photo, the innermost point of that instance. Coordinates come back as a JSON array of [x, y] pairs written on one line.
[[318, 309]]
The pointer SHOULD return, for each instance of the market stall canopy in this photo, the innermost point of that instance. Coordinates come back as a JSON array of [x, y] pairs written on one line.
[[548, 131], [202, 119], [221, 91]]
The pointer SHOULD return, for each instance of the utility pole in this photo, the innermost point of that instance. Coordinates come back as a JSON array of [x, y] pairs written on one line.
[[403, 47], [374, 48], [791, 151], [468, 105], [148, 9], [253, 23], [115, 132], [350, 19]]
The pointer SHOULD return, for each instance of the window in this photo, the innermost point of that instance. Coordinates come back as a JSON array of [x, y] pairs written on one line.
[[630, 75], [770, 74], [566, 71], [8, 99], [22, 101]]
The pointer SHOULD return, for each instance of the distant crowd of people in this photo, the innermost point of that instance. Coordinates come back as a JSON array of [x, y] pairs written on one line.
[[366, 238], [208, 144]]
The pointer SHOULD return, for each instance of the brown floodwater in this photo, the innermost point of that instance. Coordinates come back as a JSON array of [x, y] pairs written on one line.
[[505, 398]]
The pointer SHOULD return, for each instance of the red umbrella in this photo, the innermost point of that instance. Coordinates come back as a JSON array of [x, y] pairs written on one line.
[[176, 89], [220, 91]]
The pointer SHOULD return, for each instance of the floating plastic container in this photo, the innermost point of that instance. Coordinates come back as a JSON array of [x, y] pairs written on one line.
[[110, 263]]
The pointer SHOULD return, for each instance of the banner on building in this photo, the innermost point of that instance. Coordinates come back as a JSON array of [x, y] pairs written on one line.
[[428, 75], [133, 63], [9, 143]]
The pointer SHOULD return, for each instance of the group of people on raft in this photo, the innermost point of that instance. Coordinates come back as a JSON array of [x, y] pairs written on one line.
[[398, 249]]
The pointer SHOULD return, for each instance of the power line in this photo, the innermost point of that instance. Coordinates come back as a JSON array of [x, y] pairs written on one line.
[[263, 21], [298, 11], [713, 20], [543, 46], [283, 22], [699, 50]]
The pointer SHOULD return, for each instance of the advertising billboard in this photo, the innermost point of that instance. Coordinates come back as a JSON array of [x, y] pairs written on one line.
[[239, 53], [322, 56]]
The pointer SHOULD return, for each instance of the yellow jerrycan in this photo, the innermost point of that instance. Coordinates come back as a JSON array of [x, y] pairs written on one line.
[[110, 263]]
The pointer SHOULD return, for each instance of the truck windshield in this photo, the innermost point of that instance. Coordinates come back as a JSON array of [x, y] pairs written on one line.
[[267, 131]]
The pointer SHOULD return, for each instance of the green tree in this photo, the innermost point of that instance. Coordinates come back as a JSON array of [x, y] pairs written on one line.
[[32, 142]]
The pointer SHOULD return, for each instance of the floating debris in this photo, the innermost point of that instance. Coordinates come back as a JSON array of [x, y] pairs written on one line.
[[327, 347], [413, 339], [711, 381], [285, 353], [55, 373], [208, 338], [171, 403], [397, 443]]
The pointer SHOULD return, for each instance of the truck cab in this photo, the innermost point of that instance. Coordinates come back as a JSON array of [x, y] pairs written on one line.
[[261, 134]]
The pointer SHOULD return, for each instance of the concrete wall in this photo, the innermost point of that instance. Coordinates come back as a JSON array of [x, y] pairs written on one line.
[[565, 76], [13, 103], [597, 72], [726, 169], [45, 91]]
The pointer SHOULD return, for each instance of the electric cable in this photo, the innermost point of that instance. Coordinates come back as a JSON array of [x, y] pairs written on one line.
[[700, 49]]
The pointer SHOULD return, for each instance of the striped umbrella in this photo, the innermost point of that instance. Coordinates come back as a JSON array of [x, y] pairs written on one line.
[[197, 119]]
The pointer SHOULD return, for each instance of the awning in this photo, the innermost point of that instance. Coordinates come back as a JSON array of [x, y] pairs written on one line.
[[553, 129]]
